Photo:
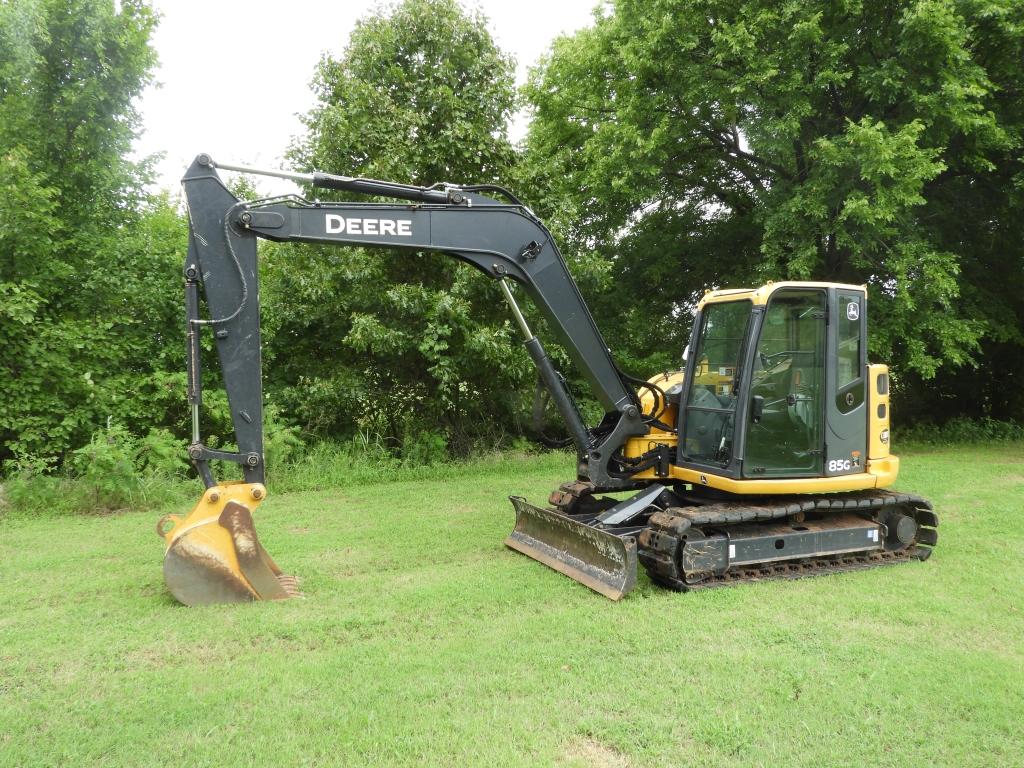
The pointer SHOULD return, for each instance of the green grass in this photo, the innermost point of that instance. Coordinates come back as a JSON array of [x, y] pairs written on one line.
[[423, 641]]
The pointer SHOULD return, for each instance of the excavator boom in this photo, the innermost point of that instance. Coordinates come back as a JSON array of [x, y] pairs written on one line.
[[500, 238]]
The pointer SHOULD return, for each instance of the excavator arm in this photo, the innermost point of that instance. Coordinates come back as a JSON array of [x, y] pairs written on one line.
[[213, 554], [504, 240]]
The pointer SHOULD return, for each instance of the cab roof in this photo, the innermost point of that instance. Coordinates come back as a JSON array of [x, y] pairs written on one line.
[[759, 296]]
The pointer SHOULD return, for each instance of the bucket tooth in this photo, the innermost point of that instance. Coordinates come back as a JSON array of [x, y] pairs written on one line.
[[595, 558], [214, 555]]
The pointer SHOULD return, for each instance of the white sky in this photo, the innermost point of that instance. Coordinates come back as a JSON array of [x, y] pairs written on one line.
[[234, 76]]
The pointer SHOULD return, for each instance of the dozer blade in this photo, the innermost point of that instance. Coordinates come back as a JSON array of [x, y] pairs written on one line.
[[595, 558], [214, 555]]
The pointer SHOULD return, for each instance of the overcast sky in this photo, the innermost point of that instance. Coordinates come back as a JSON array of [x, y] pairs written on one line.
[[233, 76]]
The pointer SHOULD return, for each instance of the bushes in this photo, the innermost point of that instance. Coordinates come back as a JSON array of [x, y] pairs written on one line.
[[114, 470], [117, 470], [962, 430], [367, 459], [106, 469]]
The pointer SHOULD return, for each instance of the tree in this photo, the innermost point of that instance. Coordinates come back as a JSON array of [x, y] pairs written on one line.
[[393, 342], [706, 143], [84, 302]]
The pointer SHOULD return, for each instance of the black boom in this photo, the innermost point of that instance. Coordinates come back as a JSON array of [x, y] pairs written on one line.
[[504, 240]]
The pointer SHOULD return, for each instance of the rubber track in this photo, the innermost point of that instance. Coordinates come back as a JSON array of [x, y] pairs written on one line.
[[658, 545]]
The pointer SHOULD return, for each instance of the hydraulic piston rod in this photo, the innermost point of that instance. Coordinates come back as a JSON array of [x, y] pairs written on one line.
[[350, 184], [552, 380]]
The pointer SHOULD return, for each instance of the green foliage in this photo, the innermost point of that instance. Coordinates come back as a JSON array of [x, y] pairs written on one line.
[[711, 143], [425, 446], [161, 453], [961, 430], [30, 491], [113, 471], [106, 468], [360, 339], [116, 470], [86, 296], [281, 441], [367, 459]]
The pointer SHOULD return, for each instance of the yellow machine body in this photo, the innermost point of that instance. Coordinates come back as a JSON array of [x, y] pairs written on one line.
[[213, 554], [880, 471], [881, 467]]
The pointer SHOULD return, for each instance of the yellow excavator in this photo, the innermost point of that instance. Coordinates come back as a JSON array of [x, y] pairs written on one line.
[[765, 456]]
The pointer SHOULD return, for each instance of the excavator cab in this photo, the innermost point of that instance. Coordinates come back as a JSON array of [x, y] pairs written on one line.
[[779, 369]]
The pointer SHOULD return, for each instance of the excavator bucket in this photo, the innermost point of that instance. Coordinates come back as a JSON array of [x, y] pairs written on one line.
[[213, 555], [596, 558]]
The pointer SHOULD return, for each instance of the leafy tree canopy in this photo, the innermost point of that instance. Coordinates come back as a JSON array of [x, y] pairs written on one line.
[[706, 143], [84, 299], [420, 95]]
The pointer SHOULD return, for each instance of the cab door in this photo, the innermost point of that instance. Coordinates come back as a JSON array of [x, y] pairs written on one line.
[[785, 433], [846, 414], [708, 420]]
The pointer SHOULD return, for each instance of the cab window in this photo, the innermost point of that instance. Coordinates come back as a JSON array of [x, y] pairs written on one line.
[[789, 376], [709, 422]]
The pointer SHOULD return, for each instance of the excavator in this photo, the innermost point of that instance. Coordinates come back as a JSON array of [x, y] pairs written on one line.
[[766, 455]]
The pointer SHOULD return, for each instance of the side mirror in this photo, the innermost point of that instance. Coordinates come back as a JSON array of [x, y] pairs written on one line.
[[756, 408]]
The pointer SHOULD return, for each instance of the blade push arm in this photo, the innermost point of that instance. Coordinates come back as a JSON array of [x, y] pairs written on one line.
[[503, 240]]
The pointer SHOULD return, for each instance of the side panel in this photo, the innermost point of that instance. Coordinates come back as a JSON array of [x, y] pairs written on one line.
[[846, 385], [878, 411]]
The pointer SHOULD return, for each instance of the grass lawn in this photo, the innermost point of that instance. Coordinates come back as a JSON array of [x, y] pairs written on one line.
[[423, 641]]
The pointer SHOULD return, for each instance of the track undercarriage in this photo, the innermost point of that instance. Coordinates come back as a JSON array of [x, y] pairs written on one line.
[[686, 543]]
